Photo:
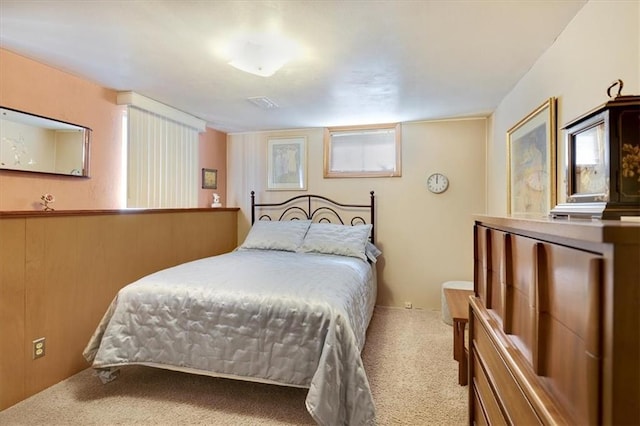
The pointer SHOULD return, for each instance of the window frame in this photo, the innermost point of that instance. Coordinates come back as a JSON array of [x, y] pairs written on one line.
[[328, 133]]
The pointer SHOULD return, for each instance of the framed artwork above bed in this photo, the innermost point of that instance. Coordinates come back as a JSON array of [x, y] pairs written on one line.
[[287, 163]]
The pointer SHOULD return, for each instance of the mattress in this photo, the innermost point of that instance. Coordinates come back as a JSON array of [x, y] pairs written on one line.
[[296, 319]]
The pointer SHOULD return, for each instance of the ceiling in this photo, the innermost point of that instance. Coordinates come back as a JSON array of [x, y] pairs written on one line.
[[364, 62]]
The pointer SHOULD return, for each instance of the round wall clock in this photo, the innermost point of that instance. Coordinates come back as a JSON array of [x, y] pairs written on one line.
[[437, 183]]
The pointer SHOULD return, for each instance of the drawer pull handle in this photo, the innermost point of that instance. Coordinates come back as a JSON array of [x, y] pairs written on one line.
[[506, 284], [593, 341], [540, 308]]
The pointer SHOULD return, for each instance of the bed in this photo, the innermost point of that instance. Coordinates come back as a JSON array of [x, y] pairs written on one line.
[[290, 306]]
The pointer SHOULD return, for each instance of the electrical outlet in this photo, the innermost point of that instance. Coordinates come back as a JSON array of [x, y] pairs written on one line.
[[38, 348], [408, 305]]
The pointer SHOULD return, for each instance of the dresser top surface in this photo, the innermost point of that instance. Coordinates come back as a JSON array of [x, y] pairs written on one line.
[[592, 230]]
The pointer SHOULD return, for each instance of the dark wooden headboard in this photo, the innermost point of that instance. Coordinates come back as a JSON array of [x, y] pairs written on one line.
[[316, 208]]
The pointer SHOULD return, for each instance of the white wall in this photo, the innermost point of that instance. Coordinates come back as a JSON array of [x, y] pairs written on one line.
[[426, 238], [600, 45]]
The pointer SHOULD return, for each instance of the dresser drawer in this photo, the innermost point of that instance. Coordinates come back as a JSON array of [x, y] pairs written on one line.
[[478, 414], [485, 394], [509, 395]]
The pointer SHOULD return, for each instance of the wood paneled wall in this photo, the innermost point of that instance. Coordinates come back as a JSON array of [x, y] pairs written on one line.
[[60, 270]]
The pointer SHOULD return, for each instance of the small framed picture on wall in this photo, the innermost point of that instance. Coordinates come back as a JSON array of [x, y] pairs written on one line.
[[209, 179]]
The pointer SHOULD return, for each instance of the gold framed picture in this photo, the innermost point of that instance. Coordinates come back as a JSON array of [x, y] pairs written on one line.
[[531, 162], [209, 179]]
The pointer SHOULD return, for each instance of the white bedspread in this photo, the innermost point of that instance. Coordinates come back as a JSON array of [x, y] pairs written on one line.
[[290, 318]]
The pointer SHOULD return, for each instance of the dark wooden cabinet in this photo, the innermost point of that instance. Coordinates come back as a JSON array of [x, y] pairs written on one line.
[[554, 324], [602, 162]]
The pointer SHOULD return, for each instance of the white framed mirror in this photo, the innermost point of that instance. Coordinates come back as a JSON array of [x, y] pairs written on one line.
[[32, 143]]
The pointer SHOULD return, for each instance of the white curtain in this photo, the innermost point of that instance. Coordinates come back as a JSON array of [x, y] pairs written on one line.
[[162, 162]]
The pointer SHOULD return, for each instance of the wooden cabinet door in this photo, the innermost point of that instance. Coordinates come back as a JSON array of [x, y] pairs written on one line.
[[480, 262], [519, 292], [489, 248], [567, 350]]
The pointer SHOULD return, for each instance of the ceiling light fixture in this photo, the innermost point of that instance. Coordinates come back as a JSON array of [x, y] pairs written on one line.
[[261, 54]]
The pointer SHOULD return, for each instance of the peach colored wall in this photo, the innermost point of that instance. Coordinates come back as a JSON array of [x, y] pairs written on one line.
[[30, 86], [213, 155]]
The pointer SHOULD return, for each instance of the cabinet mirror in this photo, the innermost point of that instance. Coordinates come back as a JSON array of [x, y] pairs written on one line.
[[32, 143]]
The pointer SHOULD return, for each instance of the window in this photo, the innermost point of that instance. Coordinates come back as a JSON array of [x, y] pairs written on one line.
[[362, 151]]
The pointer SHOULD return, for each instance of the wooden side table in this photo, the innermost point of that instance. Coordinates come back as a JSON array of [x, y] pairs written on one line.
[[458, 302]]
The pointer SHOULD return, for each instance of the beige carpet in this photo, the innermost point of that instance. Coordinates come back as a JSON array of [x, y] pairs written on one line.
[[408, 359]]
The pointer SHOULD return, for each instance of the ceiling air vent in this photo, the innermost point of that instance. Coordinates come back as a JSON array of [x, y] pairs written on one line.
[[263, 102]]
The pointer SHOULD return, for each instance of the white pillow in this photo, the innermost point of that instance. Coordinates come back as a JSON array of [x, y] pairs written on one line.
[[284, 235], [372, 252], [344, 240]]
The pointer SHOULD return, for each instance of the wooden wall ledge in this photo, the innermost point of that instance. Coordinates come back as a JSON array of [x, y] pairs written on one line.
[[56, 213]]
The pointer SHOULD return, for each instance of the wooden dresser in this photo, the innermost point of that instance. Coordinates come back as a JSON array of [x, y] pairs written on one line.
[[555, 322]]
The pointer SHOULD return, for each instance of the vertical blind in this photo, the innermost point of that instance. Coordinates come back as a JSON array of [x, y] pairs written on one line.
[[162, 162]]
